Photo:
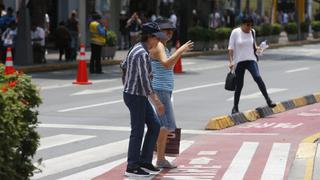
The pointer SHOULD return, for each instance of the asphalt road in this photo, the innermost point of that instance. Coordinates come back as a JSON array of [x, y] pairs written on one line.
[[95, 114]]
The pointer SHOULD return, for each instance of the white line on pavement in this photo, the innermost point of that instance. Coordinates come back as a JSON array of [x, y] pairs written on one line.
[[298, 70], [120, 101], [241, 161], [97, 91], [91, 106], [277, 161], [94, 172], [61, 139], [258, 94], [127, 129], [80, 158], [57, 86]]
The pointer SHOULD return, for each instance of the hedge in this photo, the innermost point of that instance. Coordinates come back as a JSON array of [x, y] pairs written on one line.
[[19, 139]]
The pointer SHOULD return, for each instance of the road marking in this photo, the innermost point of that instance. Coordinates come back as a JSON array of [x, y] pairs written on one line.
[[80, 158], [207, 153], [91, 106], [94, 172], [97, 91], [271, 125], [128, 129], [120, 101], [200, 160], [258, 94], [308, 114], [277, 161], [57, 86], [187, 63], [61, 139], [298, 70], [241, 161]]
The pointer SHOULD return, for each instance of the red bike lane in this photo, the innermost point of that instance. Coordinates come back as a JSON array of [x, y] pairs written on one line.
[[263, 149]]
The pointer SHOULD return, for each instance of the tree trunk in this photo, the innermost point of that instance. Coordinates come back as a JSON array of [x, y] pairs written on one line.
[[38, 9]]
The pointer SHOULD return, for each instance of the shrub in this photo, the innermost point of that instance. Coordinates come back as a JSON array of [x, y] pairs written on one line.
[[276, 29], [304, 27], [258, 30], [223, 33], [315, 26], [291, 28], [265, 29], [111, 38], [18, 121], [197, 33]]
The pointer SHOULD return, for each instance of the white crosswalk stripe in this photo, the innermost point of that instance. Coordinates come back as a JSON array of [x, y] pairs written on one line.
[[277, 161], [241, 161], [61, 139], [91, 173], [80, 158]]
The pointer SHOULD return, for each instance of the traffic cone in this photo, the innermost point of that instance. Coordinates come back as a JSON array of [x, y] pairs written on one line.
[[9, 64], [82, 76], [178, 66]]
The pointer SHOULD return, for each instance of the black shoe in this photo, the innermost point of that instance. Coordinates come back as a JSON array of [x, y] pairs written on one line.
[[271, 104], [148, 167], [137, 172], [234, 110]]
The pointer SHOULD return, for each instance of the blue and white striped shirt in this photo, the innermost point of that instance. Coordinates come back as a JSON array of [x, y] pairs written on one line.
[[163, 78], [138, 71]]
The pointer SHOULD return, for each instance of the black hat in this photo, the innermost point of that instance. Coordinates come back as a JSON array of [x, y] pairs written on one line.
[[152, 28], [165, 24]]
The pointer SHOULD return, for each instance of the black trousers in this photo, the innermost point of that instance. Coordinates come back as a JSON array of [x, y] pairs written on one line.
[[252, 67], [95, 60]]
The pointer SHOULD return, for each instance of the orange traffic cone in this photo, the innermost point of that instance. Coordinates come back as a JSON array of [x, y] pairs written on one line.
[[82, 76], [9, 64], [178, 66]]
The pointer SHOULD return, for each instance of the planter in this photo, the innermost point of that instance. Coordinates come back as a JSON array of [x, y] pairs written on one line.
[[316, 35], [304, 36], [223, 44], [198, 45], [274, 39], [108, 52], [292, 37]]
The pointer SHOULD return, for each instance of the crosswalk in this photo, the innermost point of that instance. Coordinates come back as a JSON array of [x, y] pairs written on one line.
[[107, 156]]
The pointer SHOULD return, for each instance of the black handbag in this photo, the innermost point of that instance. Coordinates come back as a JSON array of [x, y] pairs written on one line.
[[230, 84]]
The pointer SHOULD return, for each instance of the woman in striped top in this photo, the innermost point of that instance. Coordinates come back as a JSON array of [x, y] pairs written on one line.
[[162, 68]]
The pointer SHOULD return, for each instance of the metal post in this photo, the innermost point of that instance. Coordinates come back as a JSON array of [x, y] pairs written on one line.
[[82, 21]]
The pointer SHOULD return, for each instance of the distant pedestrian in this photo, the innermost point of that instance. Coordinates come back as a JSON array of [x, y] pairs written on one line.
[[137, 90], [38, 43], [8, 38], [124, 33], [134, 25], [98, 35], [242, 57], [162, 83], [63, 41], [73, 27]]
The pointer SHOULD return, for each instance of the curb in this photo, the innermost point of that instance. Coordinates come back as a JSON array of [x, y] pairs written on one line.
[[73, 65], [55, 67], [306, 164], [223, 122]]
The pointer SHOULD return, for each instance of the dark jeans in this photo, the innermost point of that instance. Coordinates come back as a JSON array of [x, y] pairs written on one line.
[[252, 67], [95, 60], [141, 113]]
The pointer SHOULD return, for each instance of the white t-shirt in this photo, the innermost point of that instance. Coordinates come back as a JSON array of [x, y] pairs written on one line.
[[242, 45], [38, 33]]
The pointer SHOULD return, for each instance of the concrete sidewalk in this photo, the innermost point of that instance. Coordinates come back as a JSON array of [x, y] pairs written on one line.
[[53, 63]]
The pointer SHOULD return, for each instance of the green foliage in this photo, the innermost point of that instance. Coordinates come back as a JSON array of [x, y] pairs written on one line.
[[291, 28], [111, 38], [197, 33], [18, 121], [258, 30], [223, 33], [276, 29], [304, 27], [315, 26], [265, 29]]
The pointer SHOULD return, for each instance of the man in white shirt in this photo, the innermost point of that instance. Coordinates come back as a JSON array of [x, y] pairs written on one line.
[[38, 43]]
